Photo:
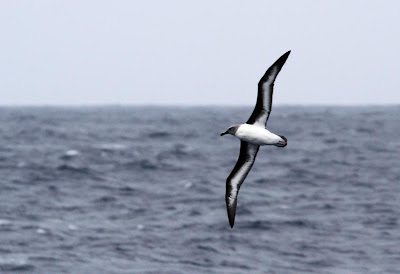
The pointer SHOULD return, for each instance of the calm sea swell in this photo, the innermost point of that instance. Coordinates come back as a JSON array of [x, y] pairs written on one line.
[[141, 190]]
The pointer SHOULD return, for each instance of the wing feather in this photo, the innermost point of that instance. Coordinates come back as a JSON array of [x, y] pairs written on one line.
[[263, 106], [247, 156]]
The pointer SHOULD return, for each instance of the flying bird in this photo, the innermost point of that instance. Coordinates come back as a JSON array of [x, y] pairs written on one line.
[[252, 135]]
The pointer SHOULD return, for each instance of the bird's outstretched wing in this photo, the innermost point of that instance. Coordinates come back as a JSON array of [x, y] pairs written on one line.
[[263, 107], [247, 156]]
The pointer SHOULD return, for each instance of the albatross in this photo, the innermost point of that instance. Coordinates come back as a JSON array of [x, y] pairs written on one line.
[[252, 135]]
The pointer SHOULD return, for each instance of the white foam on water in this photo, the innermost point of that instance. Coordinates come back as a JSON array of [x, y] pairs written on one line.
[[21, 164], [13, 260], [112, 146], [41, 231], [72, 227], [4, 222], [72, 153]]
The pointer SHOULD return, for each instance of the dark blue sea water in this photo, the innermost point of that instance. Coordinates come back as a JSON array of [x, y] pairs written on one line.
[[142, 190]]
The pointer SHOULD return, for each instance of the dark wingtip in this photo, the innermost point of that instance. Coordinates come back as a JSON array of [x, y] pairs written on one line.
[[283, 57], [231, 220], [231, 214], [278, 65]]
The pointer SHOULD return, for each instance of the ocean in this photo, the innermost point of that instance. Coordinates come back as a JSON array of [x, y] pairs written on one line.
[[142, 190]]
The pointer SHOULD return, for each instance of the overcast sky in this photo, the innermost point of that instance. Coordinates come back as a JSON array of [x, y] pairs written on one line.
[[198, 52]]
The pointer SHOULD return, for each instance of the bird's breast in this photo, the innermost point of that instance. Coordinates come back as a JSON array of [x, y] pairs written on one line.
[[256, 135]]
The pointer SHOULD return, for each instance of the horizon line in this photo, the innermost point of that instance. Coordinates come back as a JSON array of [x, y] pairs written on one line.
[[194, 105]]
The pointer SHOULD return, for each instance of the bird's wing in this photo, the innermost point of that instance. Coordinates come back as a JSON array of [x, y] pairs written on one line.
[[263, 107], [247, 156]]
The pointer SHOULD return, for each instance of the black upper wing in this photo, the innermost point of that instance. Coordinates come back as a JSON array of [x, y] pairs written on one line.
[[263, 106], [247, 156]]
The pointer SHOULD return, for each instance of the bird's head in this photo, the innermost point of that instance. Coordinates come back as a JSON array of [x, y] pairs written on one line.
[[231, 130]]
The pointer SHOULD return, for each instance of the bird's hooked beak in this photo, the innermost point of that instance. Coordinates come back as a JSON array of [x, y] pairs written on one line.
[[223, 133]]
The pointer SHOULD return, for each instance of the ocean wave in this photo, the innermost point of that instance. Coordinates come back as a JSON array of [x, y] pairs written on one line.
[[69, 154], [143, 164], [71, 168], [15, 263], [112, 147], [106, 199], [138, 196], [159, 134]]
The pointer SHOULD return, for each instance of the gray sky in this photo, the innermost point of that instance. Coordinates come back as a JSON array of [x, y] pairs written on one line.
[[198, 52]]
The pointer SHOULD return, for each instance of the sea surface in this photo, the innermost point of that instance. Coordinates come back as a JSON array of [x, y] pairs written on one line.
[[142, 190]]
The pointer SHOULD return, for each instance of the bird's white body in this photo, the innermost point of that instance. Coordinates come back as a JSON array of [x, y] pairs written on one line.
[[257, 135]]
